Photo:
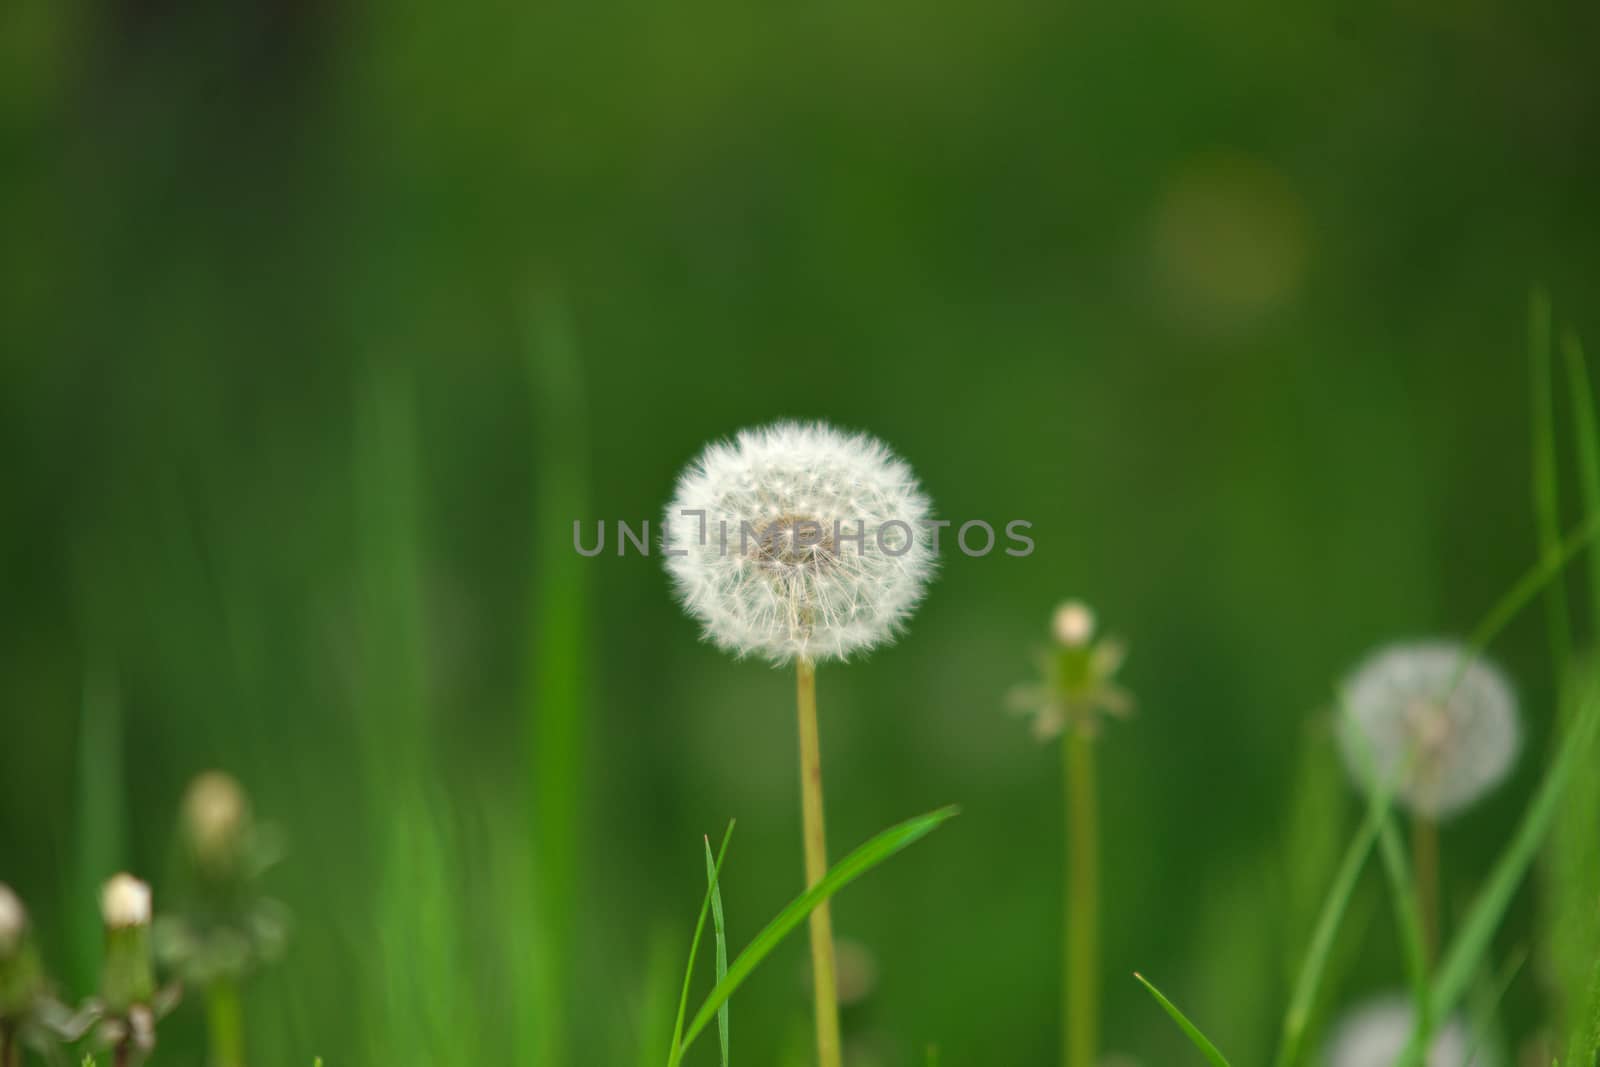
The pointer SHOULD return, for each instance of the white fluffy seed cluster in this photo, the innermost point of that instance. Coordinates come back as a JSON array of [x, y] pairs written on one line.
[[13, 920], [125, 902], [1438, 753], [811, 544], [1377, 1032]]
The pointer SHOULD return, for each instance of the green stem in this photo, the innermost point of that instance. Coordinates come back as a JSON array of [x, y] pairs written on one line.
[[1081, 985], [225, 1023], [1425, 872], [823, 977]]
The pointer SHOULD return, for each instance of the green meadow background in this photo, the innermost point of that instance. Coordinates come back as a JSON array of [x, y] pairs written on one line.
[[322, 322]]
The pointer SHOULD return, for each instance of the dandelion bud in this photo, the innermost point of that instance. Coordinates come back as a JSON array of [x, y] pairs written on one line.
[[1438, 740], [1073, 624], [216, 821], [125, 902], [127, 978], [797, 541], [13, 922], [1376, 1034]]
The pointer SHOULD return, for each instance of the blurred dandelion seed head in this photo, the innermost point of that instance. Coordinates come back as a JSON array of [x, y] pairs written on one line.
[[796, 540], [1375, 1034], [1073, 624], [13, 921], [1440, 748], [125, 902], [216, 816]]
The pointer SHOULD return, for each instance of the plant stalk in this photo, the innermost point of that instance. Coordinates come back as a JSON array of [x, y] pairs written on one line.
[[225, 1024], [1425, 872], [1081, 934], [823, 975]]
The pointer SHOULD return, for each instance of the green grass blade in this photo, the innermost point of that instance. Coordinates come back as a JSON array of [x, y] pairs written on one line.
[[1546, 500], [1477, 931], [1402, 892], [844, 872], [1200, 1041], [556, 684], [1298, 1014], [1527, 587], [1497, 993], [720, 928], [1586, 429], [678, 1043]]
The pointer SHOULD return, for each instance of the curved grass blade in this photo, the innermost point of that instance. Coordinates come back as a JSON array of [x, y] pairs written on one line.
[[1546, 501], [1587, 432], [1477, 931], [1200, 1041], [1309, 980], [1402, 891], [840, 875], [722, 947], [678, 1044]]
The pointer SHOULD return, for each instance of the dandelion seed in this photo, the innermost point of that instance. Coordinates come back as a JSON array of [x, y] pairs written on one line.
[[1438, 741], [125, 902], [798, 541], [1376, 1033]]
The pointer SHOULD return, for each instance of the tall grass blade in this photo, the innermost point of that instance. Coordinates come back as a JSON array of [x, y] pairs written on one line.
[[1467, 952], [1402, 890], [678, 1043], [1497, 993], [1546, 499], [555, 685], [1586, 429], [721, 931], [844, 872], [1200, 1041], [98, 818], [1309, 981]]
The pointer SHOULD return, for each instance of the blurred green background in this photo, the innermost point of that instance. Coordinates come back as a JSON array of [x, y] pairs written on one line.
[[323, 321]]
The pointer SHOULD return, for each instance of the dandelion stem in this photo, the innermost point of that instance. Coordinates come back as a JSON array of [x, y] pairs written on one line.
[[1425, 872], [1081, 980], [816, 850], [225, 1024]]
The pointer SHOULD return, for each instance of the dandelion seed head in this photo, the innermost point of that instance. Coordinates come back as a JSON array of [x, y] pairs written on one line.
[[13, 920], [1438, 753], [811, 545], [215, 813], [1073, 624], [1376, 1033], [125, 902]]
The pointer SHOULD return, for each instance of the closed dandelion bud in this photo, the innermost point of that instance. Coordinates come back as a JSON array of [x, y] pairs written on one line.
[[127, 978], [21, 979], [216, 824], [1416, 723], [1073, 624], [1376, 1034], [798, 541]]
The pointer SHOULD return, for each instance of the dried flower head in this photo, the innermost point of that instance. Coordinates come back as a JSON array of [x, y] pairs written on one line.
[[798, 541], [13, 921], [1439, 740], [1376, 1033], [125, 902]]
